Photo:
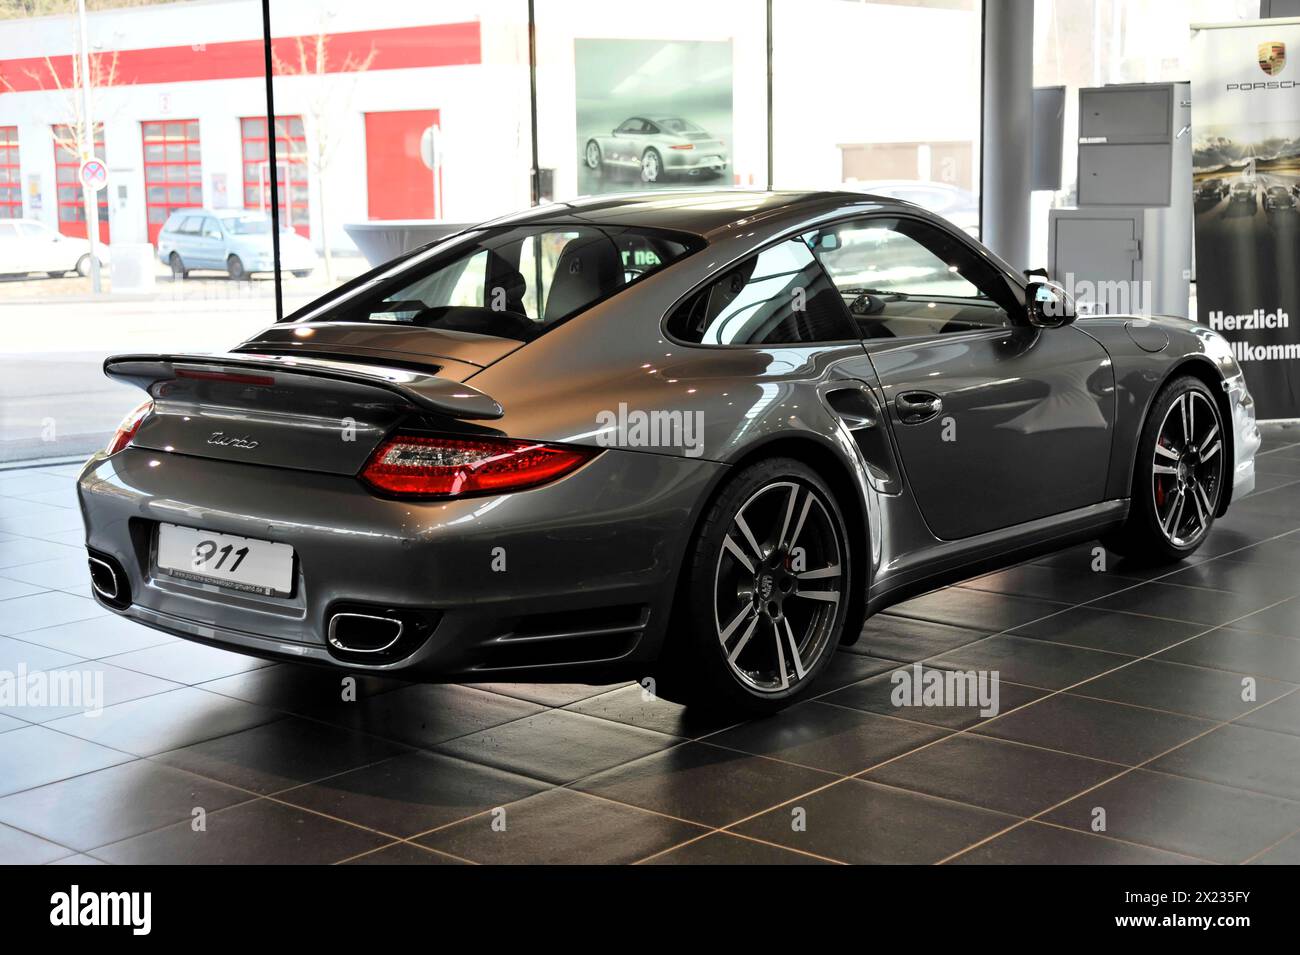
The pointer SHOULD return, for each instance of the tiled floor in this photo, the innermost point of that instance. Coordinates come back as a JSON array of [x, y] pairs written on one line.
[[1145, 716]]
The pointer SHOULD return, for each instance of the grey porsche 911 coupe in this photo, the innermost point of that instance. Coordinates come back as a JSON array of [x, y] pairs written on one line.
[[694, 436], [657, 148]]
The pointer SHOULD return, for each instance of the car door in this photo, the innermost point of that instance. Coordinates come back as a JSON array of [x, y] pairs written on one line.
[[12, 258], [997, 422], [211, 243]]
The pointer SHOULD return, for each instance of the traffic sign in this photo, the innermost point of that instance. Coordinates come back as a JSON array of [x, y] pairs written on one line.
[[94, 174]]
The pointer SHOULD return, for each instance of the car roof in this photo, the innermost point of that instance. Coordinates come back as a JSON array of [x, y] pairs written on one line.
[[701, 212]]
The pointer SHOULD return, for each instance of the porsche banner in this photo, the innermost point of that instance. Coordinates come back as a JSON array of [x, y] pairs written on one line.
[[1246, 183]]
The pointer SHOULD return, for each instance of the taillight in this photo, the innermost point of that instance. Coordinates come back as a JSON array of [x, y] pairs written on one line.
[[683, 146], [411, 465], [129, 426]]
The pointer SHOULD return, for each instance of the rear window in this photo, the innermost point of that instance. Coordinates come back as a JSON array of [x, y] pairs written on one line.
[[517, 282]]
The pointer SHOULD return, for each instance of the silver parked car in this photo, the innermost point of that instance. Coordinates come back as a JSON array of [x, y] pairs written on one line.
[[234, 241], [627, 436], [658, 147]]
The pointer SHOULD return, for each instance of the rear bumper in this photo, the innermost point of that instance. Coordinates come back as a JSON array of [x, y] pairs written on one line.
[[688, 160], [1246, 437], [573, 580]]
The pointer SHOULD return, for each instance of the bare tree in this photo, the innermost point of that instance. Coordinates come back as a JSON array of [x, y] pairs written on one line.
[[72, 134], [332, 86]]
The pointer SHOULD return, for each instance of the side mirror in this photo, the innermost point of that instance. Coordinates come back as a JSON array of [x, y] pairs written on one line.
[[1047, 305]]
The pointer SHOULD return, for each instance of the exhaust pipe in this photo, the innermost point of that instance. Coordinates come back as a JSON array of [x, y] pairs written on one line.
[[103, 578], [364, 632]]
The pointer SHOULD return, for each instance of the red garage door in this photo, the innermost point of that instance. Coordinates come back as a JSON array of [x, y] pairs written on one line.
[[67, 172], [290, 157], [173, 171], [11, 187], [398, 183]]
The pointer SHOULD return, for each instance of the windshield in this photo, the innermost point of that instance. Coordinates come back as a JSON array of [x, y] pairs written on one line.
[[517, 282], [251, 225]]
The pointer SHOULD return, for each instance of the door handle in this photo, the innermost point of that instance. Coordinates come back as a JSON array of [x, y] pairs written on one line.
[[917, 406]]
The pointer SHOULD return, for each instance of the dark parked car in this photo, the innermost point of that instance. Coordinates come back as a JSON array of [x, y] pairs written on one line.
[[1211, 190], [698, 436], [1278, 198]]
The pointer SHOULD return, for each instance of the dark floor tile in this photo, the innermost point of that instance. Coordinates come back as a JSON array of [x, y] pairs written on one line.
[[547, 694], [276, 756], [1196, 818], [10, 588], [562, 827], [1096, 728], [299, 689], [1049, 583], [23, 848], [861, 822], [1110, 631], [878, 695], [1032, 662], [77, 859], [185, 662], [1262, 583], [1241, 651], [1241, 756], [974, 610], [17, 655], [98, 637], [832, 738], [1092, 558], [1006, 777], [845, 669], [1178, 688], [634, 706], [1286, 852], [1037, 844], [114, 804], [1190, 604], [1282, 619], [165, 721], [722, 848], [704, 784], [1281, 715], [557, 745], [425, 715], [404, 853], [908, 639], [259, 832], [412, 793], [34, 756], [96, 684], [48, 609]]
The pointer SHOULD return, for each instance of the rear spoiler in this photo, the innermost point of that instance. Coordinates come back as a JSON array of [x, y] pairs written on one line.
[[423, 391]]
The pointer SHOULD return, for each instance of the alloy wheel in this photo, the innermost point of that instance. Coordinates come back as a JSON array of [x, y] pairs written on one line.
[[650, 166], [593, 155], [1187, 469], [778, 586]]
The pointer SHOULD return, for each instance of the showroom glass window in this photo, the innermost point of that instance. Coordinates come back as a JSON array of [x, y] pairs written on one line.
[[780, 296], [905, 278], [168, 85], [880, 97], [399, 123]]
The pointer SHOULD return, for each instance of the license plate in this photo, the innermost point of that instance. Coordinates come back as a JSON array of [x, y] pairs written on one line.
[[240, 563]]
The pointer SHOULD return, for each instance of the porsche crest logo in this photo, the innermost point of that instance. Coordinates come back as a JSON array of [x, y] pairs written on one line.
[[1272, 57]]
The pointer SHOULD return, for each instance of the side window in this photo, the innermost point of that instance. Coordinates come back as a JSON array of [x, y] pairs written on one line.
[[904, 278], [778, 297], [631, 126], [189, 225]]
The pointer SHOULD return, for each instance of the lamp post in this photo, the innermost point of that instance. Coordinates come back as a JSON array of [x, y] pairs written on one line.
[[90, 194]]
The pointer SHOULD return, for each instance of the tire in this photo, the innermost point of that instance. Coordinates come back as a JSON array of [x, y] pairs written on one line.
[[179, 271], [652, 166], [749, 637], [591, 155], [235, 268], [1189, 469], [83, 265], [301, 273]]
